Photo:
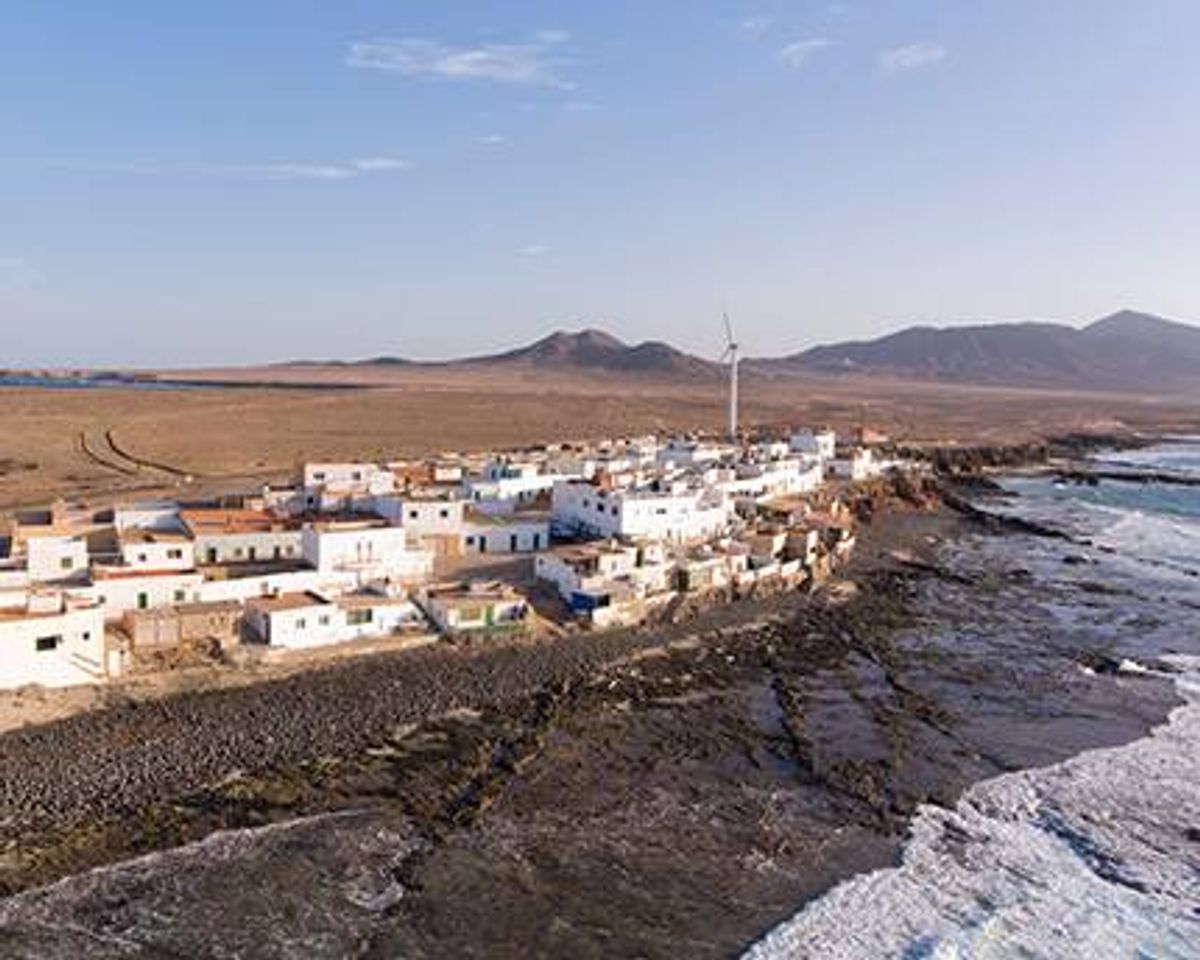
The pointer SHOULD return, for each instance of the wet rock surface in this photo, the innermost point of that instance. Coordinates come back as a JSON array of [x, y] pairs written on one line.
[[656, 793]]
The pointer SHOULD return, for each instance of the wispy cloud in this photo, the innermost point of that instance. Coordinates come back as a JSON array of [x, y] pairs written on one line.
[[534, 250], [16, 273], [580, 106], [799, 53], [341, 170], [912, 57], [380, 164], [283, 171], [533, 63], [492, 140], [753, 27]]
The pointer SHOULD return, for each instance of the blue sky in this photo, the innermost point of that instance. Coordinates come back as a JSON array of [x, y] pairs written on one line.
[[194, 183]]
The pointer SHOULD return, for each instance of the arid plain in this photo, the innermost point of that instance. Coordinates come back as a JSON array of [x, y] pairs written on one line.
[[86, 442]]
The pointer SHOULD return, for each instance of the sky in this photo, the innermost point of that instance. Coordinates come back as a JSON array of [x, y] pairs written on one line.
[[185, 184]]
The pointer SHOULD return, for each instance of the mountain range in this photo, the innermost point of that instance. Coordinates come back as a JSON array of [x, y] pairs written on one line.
[[1127, 351]]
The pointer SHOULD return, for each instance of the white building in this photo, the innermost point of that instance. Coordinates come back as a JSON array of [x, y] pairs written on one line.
[[50, 559], [514, 533], [676, 512], [682, 452], [146, 515], [243, 588], [815, 443], [331, 487], [295, 620], [856, 465], [309, 619], [52, 642], [772, 478], [370, 550], [462, 607], [423, 518], [118, 589], [231, 536], [585, 567], [144, 549]]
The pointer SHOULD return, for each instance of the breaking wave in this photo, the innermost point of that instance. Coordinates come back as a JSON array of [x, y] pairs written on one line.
[[1096, 857]]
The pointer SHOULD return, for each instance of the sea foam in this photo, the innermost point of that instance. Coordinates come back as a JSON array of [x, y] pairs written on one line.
[[1094, 857]]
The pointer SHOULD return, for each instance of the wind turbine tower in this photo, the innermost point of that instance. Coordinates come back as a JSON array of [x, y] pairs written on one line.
[[731, 354]]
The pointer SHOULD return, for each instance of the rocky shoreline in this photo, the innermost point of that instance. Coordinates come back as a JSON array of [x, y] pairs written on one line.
[[583, 796]]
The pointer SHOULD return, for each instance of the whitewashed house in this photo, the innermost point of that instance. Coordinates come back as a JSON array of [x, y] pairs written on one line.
[[295, 620], [333, 487], [158, 550], [118, 589], [585, 567], [674, 512], [159, 515], [52, 559], [369, 549], [814, 443], [474, 606], [855, 465], [512, 533], [52, 641], [232, 536]]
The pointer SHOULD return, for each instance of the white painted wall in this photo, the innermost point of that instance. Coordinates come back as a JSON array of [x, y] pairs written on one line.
[[56, 558], [139, 592], [513, 535], [59, 650], [248, 547], [370, 553], [158, 555]]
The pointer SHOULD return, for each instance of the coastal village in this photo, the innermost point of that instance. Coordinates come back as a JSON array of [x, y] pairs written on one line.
[[541, 540]]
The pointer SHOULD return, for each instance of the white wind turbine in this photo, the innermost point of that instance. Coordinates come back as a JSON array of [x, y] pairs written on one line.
[[731, 353]]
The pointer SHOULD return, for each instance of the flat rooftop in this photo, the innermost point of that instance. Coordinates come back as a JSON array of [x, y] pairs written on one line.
[[287, 601]]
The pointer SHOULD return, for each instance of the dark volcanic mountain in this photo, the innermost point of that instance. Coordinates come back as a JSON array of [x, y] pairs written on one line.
[[597, 350], [1126, 351]]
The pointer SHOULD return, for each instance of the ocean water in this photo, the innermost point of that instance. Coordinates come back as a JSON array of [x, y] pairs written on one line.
[[1097, 856]]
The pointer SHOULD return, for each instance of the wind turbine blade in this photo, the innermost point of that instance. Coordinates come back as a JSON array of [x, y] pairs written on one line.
[[728, 329]]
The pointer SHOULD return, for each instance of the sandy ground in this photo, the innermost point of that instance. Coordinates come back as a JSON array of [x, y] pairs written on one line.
[[223, 440]]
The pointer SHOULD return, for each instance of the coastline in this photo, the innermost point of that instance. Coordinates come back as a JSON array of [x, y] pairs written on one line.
[[794, 723]]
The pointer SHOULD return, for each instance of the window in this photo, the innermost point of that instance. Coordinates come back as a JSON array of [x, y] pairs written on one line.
[[46, 644], [323, 620], [67, 563], [86, 635], [614, 511], [586, 503], [537, 541], [174, 554], [301, 623], [356, 618], [180, 596], [143, 601], [252, 553], [412, 514], [319, 476], [238, 552], [141, 558], [512, 543], [444, 514], [212, 554], [278, 552], [470, 541], [356, 475]]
